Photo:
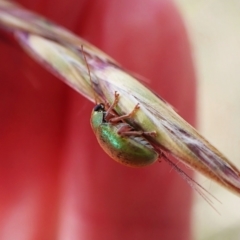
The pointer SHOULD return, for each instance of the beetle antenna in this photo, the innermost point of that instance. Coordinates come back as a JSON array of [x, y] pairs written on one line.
[[89, 73]]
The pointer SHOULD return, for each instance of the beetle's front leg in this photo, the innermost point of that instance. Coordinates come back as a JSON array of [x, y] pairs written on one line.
[[109, 113], [123, 117]]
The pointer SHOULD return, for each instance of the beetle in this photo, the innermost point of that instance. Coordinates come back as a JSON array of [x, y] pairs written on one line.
[[120, 140]]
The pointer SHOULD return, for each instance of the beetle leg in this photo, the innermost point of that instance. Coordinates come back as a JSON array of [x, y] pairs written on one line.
[[126, 131], [130, 133], [137, 133], [110, 109], [129, 115], [150, 134]]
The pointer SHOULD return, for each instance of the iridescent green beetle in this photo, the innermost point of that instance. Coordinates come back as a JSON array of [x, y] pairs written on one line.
[[119, 140]]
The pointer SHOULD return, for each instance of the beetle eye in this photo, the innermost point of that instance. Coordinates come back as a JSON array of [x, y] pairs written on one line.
[[99, 108]]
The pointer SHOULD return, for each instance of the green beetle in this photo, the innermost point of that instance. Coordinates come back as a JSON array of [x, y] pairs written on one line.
[[119, 140]]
